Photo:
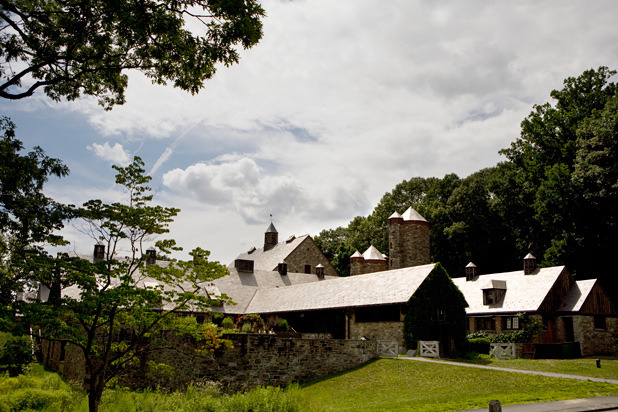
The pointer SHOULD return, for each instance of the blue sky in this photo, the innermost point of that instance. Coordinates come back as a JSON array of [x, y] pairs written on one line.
[[338, 103]]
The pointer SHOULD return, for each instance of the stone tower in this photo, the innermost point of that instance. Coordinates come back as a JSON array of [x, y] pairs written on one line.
[[408, 236], [271, 237], [370, 261]]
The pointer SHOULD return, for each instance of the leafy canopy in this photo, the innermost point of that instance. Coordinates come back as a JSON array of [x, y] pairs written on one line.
[[84, 47], [115, 305]]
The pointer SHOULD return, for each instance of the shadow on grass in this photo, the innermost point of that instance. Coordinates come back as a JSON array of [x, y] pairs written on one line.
[[310, 382]]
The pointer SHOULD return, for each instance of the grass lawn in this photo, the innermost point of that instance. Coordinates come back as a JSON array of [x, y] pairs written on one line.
[[583, 366], [390, 384]]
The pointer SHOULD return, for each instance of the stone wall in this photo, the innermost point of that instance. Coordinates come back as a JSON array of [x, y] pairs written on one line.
[[360, 266], [255, 359], [595, 341], [378, 331], [308, 253]]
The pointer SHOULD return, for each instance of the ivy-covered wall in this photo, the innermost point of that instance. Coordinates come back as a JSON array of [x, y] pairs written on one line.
[[437, 311]]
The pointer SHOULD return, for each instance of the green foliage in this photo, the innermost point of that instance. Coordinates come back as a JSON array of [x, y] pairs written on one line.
[[16, 354], [36, 390], [251, 323], [80, 47], [28, 218], [277, 324], [437, 309], [530, 328], [112, 315], [227, 323], [479, 345]]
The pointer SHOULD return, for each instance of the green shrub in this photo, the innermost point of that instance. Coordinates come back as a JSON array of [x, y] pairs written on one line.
[[227, 323], [16, 354], [479, 345]]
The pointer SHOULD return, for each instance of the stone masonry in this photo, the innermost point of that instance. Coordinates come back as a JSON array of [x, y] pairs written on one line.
[[408, 240], [308, 251], [255, 359]]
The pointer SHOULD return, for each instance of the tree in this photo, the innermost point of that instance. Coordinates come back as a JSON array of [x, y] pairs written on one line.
[[28, 218], [85, 47], [551, 179], [115, 307]]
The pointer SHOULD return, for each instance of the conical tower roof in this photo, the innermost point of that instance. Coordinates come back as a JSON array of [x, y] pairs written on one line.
[[372, 253], [271, 228], [413, 215]]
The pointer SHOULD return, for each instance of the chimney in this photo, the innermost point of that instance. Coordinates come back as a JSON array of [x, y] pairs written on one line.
[[471, 271], [529, 264], [151, 254], [99, 252], [271, 237], [319, 270], [282, 268]]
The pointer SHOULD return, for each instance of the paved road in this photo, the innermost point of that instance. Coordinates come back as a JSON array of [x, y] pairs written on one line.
[[602, 403]]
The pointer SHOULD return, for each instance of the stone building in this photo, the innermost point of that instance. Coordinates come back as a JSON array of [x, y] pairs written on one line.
[[298, 254], [408, 236], [571, 312]]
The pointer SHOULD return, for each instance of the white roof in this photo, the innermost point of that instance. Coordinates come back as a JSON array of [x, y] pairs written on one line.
[[577, 295], [380, 288], [524, 293], [412, 214], [372, 253]]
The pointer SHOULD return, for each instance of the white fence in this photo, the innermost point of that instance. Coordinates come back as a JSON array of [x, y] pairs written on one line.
[[430, 348], [502, 350], [388, 348]]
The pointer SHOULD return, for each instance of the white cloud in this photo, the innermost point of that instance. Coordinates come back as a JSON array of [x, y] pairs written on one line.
[[340, 101], [115, 154]]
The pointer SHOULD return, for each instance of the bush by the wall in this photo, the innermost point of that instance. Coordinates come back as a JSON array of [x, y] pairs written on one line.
[[479, 345], [16, 354]]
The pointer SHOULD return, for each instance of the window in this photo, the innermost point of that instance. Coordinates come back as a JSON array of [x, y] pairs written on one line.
[[492, 296], [511, 323], [485, 324], [307, 268], [599, 322]]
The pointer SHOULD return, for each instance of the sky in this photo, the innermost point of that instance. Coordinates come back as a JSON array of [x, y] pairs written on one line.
[[339, 102]]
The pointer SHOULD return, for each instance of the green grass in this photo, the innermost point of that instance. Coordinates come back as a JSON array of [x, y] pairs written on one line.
[[582, 366], [390, 384], [381, 385]]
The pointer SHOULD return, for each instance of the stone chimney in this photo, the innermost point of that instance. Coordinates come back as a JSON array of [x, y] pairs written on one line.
[[319, 271], [529, 264], [99, 252], [271, 237], [282, 268], [471, 271], [151, 254]]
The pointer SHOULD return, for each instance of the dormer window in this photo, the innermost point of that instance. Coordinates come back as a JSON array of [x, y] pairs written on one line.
[[494, 292]]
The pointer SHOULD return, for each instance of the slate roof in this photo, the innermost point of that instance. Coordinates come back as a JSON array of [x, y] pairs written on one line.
[[242, 287], [524, 293], [577, 295], [268, 260], [380, 288]]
